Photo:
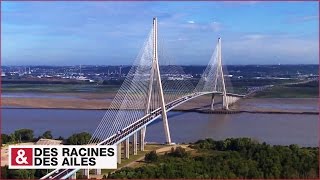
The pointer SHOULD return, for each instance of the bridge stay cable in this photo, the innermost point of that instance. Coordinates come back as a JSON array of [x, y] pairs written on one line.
[[153, 86]]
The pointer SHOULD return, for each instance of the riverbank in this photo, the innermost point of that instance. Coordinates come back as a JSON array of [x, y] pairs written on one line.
[[91, 101], [204, 111], [276, 129], [254, 112]]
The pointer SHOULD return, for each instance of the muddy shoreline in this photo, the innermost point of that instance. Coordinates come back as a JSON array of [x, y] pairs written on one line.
[[191, 110], [204, 111], [89, 101]]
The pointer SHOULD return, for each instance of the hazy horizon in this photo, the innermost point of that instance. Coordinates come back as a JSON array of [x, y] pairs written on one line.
[[29, 65]]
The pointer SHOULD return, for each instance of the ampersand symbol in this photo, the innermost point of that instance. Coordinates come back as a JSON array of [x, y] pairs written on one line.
[[20, 159]]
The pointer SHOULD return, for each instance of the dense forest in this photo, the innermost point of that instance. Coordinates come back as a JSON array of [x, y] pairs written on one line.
[[230, 158]]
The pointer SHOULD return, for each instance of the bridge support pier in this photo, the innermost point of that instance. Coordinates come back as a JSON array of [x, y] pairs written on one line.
[[97, 171], [232, 99], [141, 140], [127, 148], [74, 176], [85, 172], [212, 102], [119, 153], [225, 102], [134, 144]]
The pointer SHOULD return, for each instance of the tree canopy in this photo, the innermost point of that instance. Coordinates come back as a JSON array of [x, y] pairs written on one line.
[[47, 135], [24, 135], [79, 139], [230, 158]]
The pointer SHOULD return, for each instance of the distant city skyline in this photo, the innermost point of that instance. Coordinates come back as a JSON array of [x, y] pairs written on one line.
[[112, 33]]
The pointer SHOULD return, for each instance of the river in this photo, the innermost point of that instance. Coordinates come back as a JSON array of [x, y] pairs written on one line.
[[277, 129]]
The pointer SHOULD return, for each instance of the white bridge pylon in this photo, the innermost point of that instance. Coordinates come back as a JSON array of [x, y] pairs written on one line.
[[155, 71], [148, 92], [213, 78]]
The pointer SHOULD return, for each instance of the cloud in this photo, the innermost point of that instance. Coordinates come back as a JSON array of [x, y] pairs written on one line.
[[254, 37], [178, 39], [236, 3], [182, 39], [216, 26], [302, 19], [208, 27], [263, 48], [101, 30]]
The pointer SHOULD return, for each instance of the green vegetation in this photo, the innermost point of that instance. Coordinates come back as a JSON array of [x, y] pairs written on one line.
[[19, 136], [5, 138], [307, 90], [47, 135], [7, 173], [230, 158], [233, 85], [24, 135], [133, 158], [59, 88], [27, 135], [110, 86], [151, 157], [79, 139]]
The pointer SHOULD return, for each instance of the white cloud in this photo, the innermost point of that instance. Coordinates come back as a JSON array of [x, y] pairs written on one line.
[[234, 3], [302, 19], [254, 37], [182, 39], [263, 48], [211, 27], [216, 26]]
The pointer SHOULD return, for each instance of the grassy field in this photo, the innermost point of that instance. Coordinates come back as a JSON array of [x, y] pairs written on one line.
[[231, 158], [133, 158], [308, 90], [280, 90], [59, 88]]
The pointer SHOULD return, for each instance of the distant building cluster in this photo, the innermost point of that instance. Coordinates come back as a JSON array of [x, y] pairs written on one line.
[[73, 73], [98, 74]]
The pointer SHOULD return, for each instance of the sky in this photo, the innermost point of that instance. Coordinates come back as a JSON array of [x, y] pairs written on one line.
[[112, 33]]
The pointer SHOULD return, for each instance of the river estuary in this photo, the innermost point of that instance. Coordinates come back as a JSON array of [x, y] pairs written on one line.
[[280, 129]]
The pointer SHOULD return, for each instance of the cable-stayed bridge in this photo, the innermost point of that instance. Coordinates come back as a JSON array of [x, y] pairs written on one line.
[[146, 94]]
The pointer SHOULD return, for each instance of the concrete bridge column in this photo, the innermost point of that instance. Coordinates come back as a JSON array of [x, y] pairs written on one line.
[[135, 144], [97, 171], [141, 139], [235, 99], [74, 176], [230, 100], [225, 102], [127, 148], [85, 172], [119, 153], [212, 101]]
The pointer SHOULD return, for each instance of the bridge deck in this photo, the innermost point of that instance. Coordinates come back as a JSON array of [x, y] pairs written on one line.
[[131, 129]]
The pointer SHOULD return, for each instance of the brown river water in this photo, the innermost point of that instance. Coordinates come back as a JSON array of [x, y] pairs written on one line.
[[280, 129]]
